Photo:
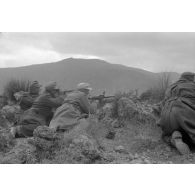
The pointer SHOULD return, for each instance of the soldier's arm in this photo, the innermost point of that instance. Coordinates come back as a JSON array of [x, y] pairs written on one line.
[[86, 106], [27, 100], [55, 102]]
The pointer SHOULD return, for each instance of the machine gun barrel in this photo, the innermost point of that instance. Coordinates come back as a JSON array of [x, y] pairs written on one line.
[[100, 97]]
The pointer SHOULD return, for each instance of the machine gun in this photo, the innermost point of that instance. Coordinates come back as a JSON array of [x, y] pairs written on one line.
[[102, 99]]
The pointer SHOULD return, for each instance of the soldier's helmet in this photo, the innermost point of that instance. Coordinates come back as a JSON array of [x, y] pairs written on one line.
[[188, 76], [34, 86], [84, 86], [51, 86]]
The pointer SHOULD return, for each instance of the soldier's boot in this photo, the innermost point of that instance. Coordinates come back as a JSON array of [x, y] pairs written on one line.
[[177, 142]]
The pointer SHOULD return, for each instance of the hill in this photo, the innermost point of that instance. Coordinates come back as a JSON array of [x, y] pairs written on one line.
[[100, 74]]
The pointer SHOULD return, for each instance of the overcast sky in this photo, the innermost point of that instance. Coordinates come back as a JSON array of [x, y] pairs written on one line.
[[150, 51]]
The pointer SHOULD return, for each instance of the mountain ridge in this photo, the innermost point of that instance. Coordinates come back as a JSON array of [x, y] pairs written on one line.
[[100, 74]]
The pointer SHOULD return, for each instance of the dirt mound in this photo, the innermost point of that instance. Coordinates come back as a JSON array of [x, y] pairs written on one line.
[[84, 150]]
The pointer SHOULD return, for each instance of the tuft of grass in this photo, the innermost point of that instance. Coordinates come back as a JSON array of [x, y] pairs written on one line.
[[153, 95], [15, 85]]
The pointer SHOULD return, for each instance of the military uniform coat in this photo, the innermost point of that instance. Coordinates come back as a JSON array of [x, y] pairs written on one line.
[[76, 105], [39, 114], [178, 111]]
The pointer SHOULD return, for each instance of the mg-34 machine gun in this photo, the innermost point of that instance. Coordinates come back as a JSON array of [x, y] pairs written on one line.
[[102, 99]]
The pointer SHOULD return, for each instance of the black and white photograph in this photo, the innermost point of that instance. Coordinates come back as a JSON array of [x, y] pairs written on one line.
[[97, 97]]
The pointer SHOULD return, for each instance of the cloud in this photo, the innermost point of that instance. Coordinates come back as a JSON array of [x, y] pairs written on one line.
[[151, 51]]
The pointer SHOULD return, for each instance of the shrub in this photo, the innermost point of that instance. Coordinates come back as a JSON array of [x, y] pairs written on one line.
[[152, 95], [132, 94], [157, 93], [15, 85]]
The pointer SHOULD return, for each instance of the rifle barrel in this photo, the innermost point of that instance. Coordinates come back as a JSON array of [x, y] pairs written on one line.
[[100, 97]]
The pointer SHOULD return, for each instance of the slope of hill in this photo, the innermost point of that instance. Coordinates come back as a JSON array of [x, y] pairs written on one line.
[[100, 74]]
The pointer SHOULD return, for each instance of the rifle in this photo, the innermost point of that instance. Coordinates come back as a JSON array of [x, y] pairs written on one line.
[[101, 100], [100, 97]]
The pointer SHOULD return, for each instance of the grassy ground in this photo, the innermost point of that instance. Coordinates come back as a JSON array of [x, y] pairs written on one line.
[[141, 143], [145, 142]]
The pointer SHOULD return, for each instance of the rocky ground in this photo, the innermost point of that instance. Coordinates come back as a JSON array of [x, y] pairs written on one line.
[[133, 144], [107, 140], [137, 144]]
